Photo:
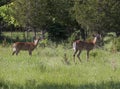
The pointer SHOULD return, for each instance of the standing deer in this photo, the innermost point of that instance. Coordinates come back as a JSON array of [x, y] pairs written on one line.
[[27, 46], [83, 45]]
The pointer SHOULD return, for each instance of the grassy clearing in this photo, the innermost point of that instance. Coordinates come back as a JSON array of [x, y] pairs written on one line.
[[45, 69]]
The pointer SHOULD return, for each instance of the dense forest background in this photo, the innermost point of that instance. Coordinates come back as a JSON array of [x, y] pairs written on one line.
[[62, 19]]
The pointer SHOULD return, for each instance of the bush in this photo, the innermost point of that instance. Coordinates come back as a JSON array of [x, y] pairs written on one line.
[[117, 44]]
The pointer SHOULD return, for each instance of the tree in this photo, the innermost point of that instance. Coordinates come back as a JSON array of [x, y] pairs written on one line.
[[7, 21], [31, 13], [87, 14], [112, 18], [6, 14], [98, 15], [41, 13]]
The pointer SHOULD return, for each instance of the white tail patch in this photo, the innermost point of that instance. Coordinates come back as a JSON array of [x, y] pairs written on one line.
[[74, 46], [14, 49]]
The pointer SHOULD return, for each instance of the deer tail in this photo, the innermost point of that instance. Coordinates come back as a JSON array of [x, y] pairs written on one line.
[[14, 49], [74, 46]]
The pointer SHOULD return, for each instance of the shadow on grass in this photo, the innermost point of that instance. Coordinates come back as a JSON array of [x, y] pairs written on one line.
[[33, 85]]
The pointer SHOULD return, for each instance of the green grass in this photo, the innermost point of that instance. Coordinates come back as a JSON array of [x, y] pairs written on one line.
[[45, 69]]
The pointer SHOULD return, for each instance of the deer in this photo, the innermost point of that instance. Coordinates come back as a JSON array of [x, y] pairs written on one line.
[[79, 46], [26, 46]]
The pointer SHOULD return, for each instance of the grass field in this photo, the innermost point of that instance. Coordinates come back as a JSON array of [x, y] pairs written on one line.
[[46, 69]]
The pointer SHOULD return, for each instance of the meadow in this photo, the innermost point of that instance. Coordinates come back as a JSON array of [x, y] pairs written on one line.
[[47, 69]]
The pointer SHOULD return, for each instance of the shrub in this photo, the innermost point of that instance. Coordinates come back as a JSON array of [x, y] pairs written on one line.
[[117, 43]]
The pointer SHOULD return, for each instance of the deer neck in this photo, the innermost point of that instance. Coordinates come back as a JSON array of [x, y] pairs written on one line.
[[36, 42], [95, 39]]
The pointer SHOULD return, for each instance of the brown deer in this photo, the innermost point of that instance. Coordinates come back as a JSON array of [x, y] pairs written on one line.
[[27, 46], [83, 45]]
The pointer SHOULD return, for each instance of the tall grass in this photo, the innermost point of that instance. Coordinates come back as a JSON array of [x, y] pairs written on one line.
[[46, 69]]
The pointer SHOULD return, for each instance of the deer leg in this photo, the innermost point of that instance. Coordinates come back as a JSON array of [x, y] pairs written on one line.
[[17, 52], [13, 52], [88, 55], [78, 55], [74, 55], [30, 52]]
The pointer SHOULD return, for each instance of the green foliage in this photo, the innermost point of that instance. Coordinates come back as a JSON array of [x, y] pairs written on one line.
[[57, 32], [112, 18], [100, 15], [59, 11], [38, 13], [108, 41], [5, 13], [44, 43], [116, 43], [112, 42], [86, 13]]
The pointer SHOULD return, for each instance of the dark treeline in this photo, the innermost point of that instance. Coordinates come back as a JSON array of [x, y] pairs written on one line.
[[3, 2], [61, 18]]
